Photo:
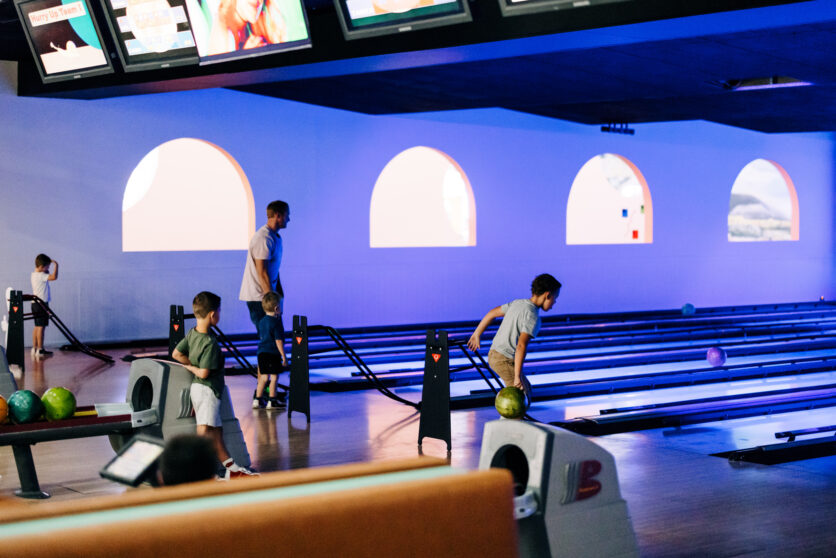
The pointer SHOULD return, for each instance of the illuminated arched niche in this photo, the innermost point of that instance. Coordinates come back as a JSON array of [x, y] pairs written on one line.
[[187, 194], [763, 204], [609, 203], [422, 198]]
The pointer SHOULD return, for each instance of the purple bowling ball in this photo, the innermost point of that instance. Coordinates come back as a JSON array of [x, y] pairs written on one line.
[[715, 356]]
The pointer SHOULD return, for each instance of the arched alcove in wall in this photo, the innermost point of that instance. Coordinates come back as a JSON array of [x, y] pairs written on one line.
[[422, 198], [609, 203], [187, 194], [763, 204]]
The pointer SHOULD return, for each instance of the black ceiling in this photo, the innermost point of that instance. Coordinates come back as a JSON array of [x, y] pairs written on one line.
[[659, 79]]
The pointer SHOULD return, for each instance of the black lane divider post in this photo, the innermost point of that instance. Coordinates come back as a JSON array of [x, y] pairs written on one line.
[[435, 397], [176, 327], [300, 388], [14, 338]]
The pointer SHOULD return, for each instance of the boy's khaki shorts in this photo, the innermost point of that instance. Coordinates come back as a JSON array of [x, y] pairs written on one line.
[[207, 406], [503, 366]]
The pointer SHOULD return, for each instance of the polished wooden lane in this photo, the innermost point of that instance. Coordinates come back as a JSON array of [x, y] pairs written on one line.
[[683, 502]]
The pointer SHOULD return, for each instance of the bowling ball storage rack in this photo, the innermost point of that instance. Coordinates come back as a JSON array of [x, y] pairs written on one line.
[[21, 437]]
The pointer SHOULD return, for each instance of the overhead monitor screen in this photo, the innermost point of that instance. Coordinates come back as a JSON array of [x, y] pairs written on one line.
[[520, 7], [151, 33], [64, 38], [366, 18], [228, 29]]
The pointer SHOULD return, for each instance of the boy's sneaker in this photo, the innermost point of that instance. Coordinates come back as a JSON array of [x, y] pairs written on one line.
[[233, 470], [276, 403], [258, 402]]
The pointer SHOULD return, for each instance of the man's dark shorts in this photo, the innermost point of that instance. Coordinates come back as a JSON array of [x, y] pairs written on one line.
[[256, 311]]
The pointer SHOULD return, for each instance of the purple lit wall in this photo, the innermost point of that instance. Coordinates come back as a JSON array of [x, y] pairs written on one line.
[[63, 183]]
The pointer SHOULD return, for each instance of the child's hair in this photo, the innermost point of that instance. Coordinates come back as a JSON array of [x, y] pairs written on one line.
[[205, 302], [42, 259], [187, 458], [270, 301], [277, 207], [545, 283]]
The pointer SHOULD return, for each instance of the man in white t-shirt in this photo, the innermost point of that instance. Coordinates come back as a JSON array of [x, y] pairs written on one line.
[[520, 324], [264, 256], [40, 279]]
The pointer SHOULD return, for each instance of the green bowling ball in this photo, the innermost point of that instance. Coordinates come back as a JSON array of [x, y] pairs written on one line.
[[59, 403], [25, 406], [510, 402]]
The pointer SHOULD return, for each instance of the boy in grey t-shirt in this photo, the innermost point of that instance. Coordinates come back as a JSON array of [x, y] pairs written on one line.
[[520, 324]]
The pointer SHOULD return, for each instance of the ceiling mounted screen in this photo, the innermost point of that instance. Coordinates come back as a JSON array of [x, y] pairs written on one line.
[[64, 39], [151, 34], [230, 29], [522, 7], [368, 18]]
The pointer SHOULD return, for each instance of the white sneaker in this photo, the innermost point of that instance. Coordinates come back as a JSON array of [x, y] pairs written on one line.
[[233, 470]]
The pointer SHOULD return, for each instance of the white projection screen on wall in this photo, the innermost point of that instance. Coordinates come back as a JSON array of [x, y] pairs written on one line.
[[422, 198], [609, 203], [763, 204], [187, 194]]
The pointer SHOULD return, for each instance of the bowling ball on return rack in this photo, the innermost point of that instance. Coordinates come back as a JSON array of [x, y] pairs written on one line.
[[59, 403], [4, 410], [25, 406]]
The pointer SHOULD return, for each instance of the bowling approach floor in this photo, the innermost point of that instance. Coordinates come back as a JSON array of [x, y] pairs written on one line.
[[683, 501]]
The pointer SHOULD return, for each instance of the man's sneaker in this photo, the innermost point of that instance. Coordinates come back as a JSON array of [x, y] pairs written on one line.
[[275, 403], [43, 352], [233, 470]]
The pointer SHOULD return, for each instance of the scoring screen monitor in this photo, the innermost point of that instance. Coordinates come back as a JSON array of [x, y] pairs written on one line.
[[64, 39], [230, 29], [367, 18], [151, 34], [522, 7]]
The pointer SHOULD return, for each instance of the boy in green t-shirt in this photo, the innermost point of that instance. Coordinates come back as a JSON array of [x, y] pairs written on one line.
[[200, 354]]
